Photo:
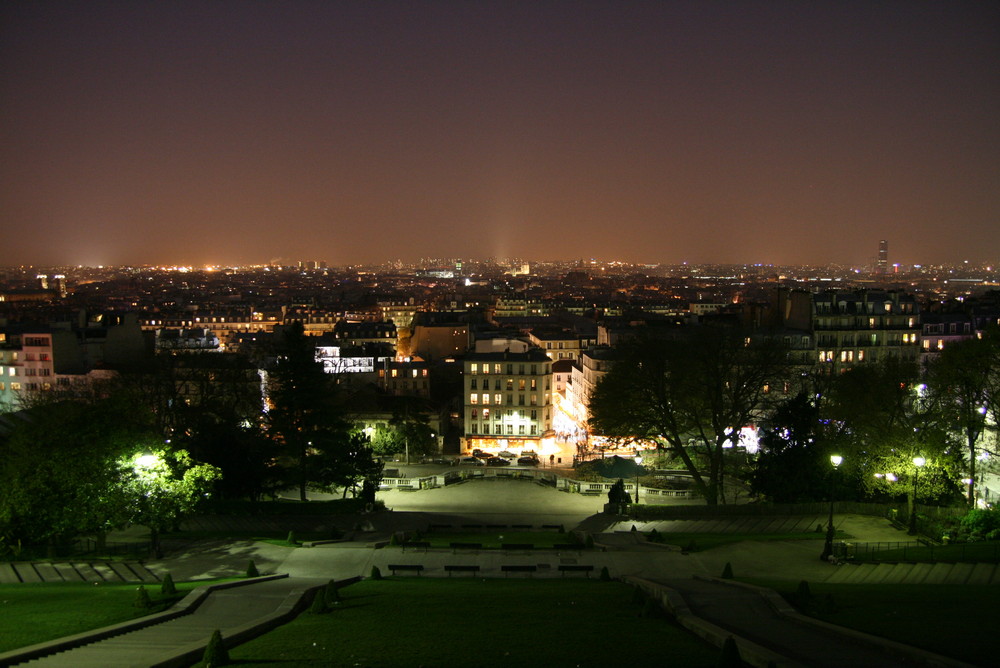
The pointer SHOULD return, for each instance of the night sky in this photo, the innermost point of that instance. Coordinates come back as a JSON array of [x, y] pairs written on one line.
[[354, 132]]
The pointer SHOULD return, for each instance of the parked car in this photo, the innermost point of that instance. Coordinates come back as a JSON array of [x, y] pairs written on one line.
[[527, 461], [473, 461], [481, 454], [497, 461], [507, 455]]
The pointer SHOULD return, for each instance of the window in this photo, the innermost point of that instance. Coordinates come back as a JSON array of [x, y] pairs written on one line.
[[534, 384], [510, 369], [534, 399], [520, 385], [496, 368], [486, 413], [520, 400], [486, 428], [496, 399], [510, 399], [510, 384], [510, 430], [486, 368], [534, 415], [520, 429], [474, 413], [474, 428], [474, 399], [472, 384], [16, 387], [534, 430], [496, 384], [474, 368]]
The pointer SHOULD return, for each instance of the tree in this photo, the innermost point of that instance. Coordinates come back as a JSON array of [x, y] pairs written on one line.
[[304, 418], [690, 393], [792, 466], [882, 423], [408, 432], [60, 466], [163, 486], [963, 383]]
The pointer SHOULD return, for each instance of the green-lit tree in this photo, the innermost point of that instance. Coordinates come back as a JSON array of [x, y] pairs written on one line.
[[163, 486]]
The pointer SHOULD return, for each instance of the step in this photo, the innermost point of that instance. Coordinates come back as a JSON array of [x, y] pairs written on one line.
[[939, 573], [918, 573], [143, 573], [26, 572], [47, 572], [87, 572], [959, 573], [982, 574], [123, 572], [68, 573], [7, 574], [881, 574], [871, 572], [104, 572], [899, 573], [847, 573]]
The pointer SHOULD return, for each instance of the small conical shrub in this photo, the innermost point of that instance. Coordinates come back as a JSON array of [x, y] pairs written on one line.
[[819, 528], [650, 609], [332, 592], [692, 546], [142, 600], [394, 539], [589, 542], [638, 595], [730, 657], [633, 528], [252, 571], [319, 605], [376, 573], [562, 529], [167, 587], [803, 593], [216, 653], [727, 572], [291, 538], [605, 575]]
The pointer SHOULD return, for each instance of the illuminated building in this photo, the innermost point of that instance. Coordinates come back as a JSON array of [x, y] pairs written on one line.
[[508, 401]]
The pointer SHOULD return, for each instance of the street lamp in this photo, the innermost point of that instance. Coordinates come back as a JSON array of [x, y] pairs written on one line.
[[638, 466], [830, 531], [917, 463]]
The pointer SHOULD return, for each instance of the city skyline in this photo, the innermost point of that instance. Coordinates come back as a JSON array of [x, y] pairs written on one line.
[[351, 133]]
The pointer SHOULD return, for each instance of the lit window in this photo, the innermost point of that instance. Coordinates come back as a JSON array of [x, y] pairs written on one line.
[[474, 368]]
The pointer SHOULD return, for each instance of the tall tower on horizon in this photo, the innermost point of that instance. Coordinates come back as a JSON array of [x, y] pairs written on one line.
[[882, 266]]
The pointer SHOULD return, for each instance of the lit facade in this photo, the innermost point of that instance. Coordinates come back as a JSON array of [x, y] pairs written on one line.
[[508, 401]]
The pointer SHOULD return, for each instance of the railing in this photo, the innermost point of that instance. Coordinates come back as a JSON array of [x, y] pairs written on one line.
[[918, 551]]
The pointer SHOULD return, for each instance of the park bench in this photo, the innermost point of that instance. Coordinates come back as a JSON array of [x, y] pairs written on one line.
[[518, 568], [557, 527], [567, 546], [466, 546], [575, 568], [415, 544], [461, 569], [416, 568], [517, 546]]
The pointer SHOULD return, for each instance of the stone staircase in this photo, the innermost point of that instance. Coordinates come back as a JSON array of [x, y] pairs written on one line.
[[99, 571], [922, 573]]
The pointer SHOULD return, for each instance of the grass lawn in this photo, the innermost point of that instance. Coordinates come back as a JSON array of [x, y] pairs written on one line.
[[36, 612], [477, 622], [492, 539], [697, 542], [958, 621]]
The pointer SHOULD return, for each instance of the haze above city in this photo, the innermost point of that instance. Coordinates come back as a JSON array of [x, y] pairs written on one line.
[[237, 133]]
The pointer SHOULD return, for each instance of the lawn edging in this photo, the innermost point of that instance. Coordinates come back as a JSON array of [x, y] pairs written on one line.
[[185, 606], [677, 607], [892, 648]]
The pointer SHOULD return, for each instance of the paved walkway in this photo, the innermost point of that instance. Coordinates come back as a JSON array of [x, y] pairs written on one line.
[[624, 554]]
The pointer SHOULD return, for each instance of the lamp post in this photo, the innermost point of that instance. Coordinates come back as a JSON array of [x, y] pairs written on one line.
[[917, 463], [638, 465], [830, 530]]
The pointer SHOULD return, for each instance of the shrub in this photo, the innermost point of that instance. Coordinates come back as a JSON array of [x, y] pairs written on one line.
[[692, 546], [376, 573], [651, 609], [605, 575], [633, 528], [252, 571], [291, 538], [167, 587], [730, 657], [727, 571], [638, 595], [394, 539], [803, 596], [216, 653], [332, 592], [980, 524], [319, 605], [142, 599]]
